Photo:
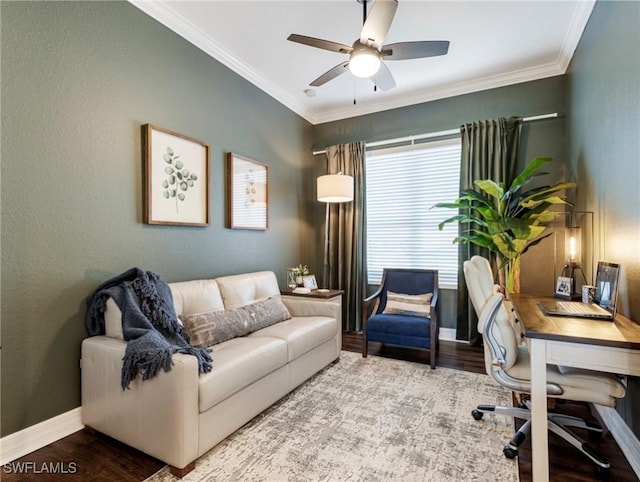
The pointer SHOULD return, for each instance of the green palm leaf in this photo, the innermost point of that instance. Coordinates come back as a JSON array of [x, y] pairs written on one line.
[[507, 223]]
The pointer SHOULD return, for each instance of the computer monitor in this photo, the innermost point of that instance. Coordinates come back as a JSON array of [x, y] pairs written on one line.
[[607, 285]]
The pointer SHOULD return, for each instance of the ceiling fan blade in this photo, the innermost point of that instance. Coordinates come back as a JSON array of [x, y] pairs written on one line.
[[378, 22], [320, 43], [415, 50], [383, 78], [331, 74]]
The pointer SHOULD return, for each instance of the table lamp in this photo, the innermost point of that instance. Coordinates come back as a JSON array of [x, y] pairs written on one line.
[[574, 238]]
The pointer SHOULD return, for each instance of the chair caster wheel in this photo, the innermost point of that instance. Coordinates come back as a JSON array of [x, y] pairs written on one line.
[[476, 414], [510, 452]]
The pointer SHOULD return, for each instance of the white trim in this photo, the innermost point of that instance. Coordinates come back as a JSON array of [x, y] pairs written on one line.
[[627, 441], [578, 23], [443, 92], [447, 334], [163, 13], [32, 438]]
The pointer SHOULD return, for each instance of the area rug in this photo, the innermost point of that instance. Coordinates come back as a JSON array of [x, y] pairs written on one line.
[[369, 419]]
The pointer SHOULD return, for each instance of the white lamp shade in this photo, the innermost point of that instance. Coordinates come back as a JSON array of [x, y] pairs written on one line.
[[335, 188]]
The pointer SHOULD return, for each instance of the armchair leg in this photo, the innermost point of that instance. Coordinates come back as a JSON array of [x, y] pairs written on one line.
[[433, 357], [365, 345]]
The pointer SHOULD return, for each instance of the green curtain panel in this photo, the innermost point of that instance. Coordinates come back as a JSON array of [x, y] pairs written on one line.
[[489, 151], [347, 230]]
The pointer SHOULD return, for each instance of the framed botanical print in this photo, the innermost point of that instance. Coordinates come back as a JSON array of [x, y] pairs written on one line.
[[176, 185], [247, 193]]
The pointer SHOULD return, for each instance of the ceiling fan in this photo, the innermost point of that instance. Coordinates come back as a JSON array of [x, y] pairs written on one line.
[[367, 53]]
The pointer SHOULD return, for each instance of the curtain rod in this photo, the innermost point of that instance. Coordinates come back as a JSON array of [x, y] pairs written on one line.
[[429, 135]]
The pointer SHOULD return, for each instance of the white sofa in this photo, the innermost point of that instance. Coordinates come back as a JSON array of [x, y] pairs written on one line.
[[178, 415]]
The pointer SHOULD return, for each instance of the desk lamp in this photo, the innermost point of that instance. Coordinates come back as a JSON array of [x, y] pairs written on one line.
[[331, 189], [573, 255]]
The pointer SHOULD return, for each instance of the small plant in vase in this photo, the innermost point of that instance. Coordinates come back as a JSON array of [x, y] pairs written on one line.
[[300, 271]]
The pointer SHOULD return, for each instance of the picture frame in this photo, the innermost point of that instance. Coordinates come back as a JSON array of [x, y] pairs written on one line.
[[564, 287], [247, 193], [176, 178], [309, 281]]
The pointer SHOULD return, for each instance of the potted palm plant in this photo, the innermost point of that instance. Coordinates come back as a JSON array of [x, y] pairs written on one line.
[[507, 221]]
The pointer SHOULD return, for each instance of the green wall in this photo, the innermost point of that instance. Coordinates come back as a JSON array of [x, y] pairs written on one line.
[[540, 138], [80, 78], [604, 149], [78, 81]]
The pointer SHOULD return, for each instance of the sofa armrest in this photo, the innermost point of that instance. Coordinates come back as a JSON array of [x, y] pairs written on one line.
[[158, 416], [313, 307]]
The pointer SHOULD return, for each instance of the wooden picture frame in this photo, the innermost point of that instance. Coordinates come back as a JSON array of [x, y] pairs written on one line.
[[176, 184], [247, 193], [309, 281]]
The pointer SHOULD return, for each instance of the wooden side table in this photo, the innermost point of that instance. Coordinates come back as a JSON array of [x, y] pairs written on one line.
[[316, 294]]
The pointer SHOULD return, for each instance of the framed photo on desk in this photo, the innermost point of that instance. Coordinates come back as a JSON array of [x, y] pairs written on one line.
[[564, 287]]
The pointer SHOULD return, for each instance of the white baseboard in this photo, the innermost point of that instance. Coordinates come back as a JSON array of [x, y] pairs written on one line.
[[627, 441], [448, 334], [32, 438]]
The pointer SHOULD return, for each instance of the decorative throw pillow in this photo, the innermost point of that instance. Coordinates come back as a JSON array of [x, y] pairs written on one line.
[[413, 305], [211, 328]]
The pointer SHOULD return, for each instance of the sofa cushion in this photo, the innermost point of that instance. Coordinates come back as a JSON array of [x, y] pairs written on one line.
[[207, 329], [237, 364], [244, 289], [301, 334], [413, 305], [197, 296], [403, 330]]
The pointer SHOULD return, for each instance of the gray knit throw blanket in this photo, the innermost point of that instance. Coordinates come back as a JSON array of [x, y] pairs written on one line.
[[149, 324]]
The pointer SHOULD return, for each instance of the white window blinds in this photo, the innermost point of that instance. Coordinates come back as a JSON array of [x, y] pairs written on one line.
[[402, 184]]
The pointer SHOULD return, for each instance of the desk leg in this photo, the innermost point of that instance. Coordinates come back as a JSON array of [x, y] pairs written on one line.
[[539, 435]]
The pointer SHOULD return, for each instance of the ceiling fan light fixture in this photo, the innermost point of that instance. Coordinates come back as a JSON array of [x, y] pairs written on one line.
[[364, 62]]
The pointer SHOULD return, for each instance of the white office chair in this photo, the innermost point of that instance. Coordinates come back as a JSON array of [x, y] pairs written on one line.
[[508, 363]]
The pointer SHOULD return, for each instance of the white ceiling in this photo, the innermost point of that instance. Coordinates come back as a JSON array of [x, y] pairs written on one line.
[[493, 43]]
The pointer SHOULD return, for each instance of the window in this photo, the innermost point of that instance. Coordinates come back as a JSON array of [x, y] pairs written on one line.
[[402, 231]]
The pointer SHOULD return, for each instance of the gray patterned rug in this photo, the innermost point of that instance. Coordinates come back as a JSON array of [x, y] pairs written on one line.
[[369, 419]]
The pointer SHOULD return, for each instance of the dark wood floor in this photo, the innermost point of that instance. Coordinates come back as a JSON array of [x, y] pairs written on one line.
[[88, 456]]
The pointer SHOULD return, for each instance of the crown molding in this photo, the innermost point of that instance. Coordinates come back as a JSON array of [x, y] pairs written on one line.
[[442, 92], [175, 22], [578, 23], [163, 13]]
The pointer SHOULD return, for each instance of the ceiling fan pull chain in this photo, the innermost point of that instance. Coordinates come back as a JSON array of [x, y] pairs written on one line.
[[354, 92]]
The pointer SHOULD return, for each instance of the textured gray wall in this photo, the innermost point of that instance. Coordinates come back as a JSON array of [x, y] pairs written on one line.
[[78, 80], [604, 149], [541, 138]]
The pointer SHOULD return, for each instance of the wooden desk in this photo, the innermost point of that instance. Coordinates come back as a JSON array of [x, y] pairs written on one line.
[[607, 346]]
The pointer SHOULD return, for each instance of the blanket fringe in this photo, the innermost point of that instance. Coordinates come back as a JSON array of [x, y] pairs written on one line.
[[153, 305]]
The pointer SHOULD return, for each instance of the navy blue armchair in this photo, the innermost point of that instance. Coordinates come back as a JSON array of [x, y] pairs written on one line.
[[405, 311]]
